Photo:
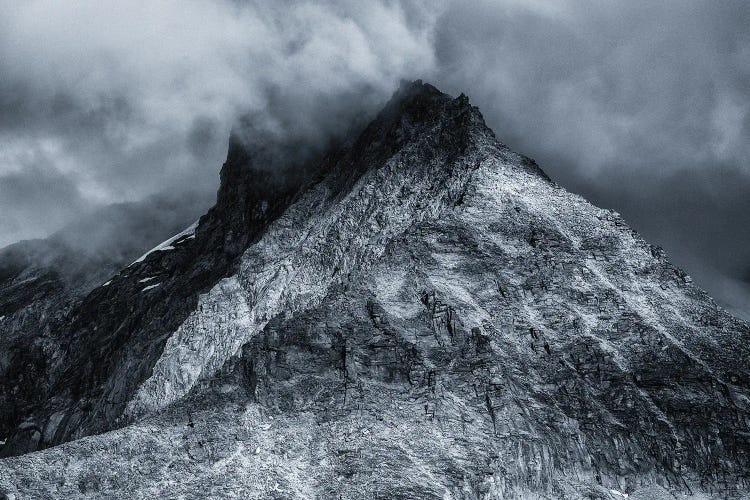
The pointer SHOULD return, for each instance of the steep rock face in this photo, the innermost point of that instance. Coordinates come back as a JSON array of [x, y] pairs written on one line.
[[110, 342], [107, 342], [425, 314], [43, 281], [322, 237]]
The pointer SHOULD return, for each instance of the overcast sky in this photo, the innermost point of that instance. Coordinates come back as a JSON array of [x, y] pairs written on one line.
[[640, 106]]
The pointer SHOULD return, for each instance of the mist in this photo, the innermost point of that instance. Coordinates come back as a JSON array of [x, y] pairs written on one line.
[[640, 107], [116, 101]]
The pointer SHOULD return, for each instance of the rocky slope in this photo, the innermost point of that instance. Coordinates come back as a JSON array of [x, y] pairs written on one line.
[[43, 281], [421, 313]]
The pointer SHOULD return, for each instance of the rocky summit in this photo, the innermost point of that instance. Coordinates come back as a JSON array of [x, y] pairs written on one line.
[[418, 313]]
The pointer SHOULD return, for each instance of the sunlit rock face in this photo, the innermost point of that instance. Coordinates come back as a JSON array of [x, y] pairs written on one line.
[[419, 313]]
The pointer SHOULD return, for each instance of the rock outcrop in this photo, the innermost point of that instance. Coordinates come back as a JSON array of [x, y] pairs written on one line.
[[419, 313]]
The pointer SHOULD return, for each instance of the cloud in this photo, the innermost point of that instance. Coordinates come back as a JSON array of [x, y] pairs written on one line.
[[642, 107], [664, 83], [131, 98], [36, 199]]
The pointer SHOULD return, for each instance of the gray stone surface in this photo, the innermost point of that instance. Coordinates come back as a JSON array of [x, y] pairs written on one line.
[[426, 315]]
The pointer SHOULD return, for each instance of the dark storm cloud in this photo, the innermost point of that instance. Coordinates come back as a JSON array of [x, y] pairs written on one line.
[[37, 200], [640, 106], [31, 193]]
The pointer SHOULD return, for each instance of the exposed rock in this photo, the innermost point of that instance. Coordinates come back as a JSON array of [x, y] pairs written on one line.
[[421, 313]]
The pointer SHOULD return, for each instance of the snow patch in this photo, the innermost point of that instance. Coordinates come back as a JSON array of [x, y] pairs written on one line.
[[150, 287], [188, 233], [107, 283]]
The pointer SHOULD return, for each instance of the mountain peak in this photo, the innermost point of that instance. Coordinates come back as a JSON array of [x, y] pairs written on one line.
[[423, 147], [421, 307], [416, 101], [262, 171], [412, 90]]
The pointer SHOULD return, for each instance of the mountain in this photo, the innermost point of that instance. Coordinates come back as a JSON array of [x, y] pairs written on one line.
[[43, 281], [418, 313]]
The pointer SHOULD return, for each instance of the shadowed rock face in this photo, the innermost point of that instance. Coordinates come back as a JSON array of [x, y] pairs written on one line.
[[420, 313], [43, 281]]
